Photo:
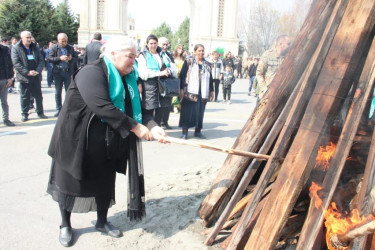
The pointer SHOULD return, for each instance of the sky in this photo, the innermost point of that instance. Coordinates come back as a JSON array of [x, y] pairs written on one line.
[[173, 12]]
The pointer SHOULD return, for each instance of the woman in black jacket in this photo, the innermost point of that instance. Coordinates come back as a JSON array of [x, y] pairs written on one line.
[[97, 134]]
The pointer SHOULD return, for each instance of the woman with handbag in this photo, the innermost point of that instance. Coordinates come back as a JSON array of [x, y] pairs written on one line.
[[196, 89], [153, 64]]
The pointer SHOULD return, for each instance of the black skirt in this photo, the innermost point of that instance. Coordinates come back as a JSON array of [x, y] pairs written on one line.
[[97, 190]]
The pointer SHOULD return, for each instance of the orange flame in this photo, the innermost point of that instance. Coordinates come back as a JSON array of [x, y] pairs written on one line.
[[324, 156], [314, 194], [336, 222]]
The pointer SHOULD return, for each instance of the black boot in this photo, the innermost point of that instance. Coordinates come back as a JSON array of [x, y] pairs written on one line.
[[184, 134], [25, 117]]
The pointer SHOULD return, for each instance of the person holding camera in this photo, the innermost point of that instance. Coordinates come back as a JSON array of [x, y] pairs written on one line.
[[61, 55]]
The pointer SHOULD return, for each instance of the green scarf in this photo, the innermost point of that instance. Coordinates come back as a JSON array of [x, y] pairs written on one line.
[[153, 64], [117, 90]]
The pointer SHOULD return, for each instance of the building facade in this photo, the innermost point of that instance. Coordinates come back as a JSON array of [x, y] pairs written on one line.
[[109, 17], [213, 23]]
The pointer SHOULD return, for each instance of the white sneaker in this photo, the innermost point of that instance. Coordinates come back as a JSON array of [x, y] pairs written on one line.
[[224, 101], [229, 102]]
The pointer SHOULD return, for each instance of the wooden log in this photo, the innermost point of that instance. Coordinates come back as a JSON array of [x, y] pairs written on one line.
[[300, 102], [250, 172], [267, 111], [242, 203], [242, 244], [343, 240], [216, 148], [335, 79], [364, 203], [365, 87]]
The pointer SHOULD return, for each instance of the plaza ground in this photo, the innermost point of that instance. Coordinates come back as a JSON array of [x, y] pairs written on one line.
[[177, 177]]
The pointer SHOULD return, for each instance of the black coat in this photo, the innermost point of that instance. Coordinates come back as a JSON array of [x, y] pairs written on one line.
[[87, 98], [6, 66], [55, 53], [20, 62], [92, 52]]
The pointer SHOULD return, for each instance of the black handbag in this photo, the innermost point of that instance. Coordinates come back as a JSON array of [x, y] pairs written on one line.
[[169, 87]]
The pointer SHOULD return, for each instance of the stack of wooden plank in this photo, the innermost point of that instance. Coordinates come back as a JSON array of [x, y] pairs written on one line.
[[330, 66]]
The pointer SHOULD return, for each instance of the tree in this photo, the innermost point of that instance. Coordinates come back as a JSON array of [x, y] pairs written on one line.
[[182, 35], [261, 24], [64, 21], [32, 15], [259, 27], [163, 30]]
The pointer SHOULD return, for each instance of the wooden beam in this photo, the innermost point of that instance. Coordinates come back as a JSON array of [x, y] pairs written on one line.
[[268, 109], [315, 217], [334, 82], [307, 85]]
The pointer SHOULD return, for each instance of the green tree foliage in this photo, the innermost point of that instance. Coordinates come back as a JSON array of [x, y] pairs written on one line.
[[163, 30], [32, 15], [64, 21], [180, 37], [37, 16]]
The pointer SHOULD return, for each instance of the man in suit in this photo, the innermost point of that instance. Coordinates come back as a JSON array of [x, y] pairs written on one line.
[[93, 49]]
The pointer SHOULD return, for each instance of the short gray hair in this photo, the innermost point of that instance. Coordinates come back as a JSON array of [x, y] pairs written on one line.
[[24, 33], [62, 35], [118, 43], [163, 40]]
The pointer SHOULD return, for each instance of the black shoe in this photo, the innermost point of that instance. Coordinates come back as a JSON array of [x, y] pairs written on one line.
[[9, 123], [25, 118], [184, 136], [42, 116], [57, 113], [199, 135], [166, 126], [66, 236], [109, 229]]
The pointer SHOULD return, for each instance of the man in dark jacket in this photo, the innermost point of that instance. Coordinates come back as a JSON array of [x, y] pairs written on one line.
[[6, 75], [28, 63], [92, 51], [61, 56]]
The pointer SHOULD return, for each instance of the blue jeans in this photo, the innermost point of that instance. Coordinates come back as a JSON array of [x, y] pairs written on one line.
[[61, 78], [251, 83]]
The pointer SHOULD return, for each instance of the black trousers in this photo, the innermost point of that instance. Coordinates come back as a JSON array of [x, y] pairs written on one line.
[[216, 84], [61, 78], [32, 87]]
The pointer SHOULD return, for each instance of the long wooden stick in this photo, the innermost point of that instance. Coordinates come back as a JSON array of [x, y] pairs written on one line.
[[216, 148]]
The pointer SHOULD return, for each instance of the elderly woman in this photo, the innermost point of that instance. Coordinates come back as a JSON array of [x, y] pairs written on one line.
[[154, 63], [97, 134], [196, 89]]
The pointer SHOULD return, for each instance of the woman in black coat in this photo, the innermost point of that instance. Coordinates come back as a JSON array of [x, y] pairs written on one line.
[[97, 134]]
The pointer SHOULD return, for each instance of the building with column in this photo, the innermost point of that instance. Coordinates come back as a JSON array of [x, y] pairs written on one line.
[[213, 23], [109, 17]]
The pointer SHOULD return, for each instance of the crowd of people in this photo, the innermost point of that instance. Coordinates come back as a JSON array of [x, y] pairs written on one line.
[[115, 96]]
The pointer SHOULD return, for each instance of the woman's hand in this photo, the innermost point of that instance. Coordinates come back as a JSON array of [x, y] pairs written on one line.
[[182, 93], [142, 132], [159, 134], [164, 73]]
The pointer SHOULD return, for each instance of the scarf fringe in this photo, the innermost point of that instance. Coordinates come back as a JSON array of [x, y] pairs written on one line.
[[136, 215]]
